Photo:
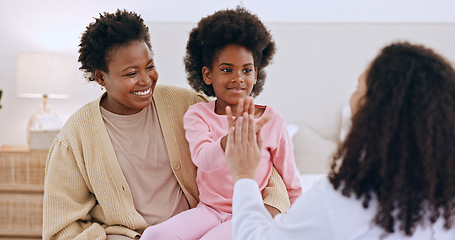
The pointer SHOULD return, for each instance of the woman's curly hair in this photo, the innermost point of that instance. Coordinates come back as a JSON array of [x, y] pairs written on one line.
[[109, 31], [214, 32], [401, 148]]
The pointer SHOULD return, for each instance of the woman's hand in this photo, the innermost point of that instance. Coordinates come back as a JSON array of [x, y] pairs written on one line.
[[243, 148]]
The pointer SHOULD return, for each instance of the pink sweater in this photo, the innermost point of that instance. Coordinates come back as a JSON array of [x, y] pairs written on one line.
[[204, 130]]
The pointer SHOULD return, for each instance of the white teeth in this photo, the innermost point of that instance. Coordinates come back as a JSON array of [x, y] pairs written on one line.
[[141, 93], [236, 89]]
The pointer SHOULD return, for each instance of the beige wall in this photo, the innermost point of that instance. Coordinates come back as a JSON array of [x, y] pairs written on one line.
[[314, 70]]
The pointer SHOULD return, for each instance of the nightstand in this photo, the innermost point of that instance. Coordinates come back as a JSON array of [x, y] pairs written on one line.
[[21, 192]]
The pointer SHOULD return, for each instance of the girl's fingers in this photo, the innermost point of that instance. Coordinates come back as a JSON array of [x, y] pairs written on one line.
[[229, 116], [230, 139], [251, 106], [240, 107], [246, 105]]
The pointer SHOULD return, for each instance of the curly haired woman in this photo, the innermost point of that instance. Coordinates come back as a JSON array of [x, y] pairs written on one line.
[[394, 175]]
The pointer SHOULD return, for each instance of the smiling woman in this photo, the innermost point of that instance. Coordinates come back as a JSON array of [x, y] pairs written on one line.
[[105, 156]]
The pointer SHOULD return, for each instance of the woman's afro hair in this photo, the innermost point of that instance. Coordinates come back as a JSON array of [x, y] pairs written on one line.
[[109, 31]]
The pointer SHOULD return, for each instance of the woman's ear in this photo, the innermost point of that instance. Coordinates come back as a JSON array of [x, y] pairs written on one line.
[[99, 77], [207, 75]]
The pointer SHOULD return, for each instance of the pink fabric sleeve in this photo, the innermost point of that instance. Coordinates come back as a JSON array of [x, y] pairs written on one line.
[[205, 147]]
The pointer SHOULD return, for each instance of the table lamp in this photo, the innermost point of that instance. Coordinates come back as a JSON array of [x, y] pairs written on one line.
[[43, 75]]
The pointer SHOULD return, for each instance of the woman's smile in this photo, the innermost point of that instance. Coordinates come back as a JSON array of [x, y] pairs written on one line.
[[142, 93]]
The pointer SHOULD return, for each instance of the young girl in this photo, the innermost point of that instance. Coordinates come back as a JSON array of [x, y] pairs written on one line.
[[226, 56]]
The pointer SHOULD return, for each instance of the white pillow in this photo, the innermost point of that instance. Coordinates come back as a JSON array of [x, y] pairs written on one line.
[[292, 130], [313, 153]]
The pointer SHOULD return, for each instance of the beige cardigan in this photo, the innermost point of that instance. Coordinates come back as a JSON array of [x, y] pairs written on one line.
[[86, 195]]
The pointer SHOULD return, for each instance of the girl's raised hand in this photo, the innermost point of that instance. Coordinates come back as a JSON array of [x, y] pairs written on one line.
[[246, 106]]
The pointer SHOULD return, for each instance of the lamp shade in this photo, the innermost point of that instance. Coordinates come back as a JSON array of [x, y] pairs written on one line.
[[39, 74]]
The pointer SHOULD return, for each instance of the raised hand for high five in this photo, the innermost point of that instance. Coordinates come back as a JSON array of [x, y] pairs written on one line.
[[243, 148], [246, 105]]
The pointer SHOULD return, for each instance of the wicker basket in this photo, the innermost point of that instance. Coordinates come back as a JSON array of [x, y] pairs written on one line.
[[21, 193]]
